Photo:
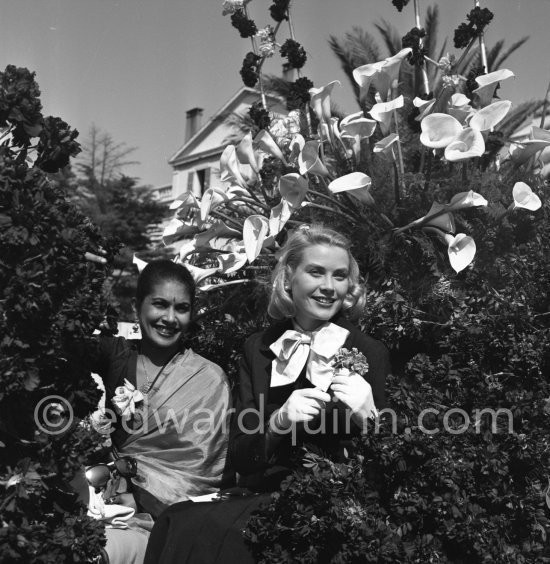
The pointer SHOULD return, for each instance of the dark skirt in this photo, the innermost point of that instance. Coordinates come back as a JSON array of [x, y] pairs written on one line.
[[203, 532]]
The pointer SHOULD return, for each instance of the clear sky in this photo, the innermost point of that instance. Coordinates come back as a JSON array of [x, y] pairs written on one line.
[[134, 67]]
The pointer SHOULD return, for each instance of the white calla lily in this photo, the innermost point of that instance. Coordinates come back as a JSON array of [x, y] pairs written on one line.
[[255, 230], [524, 198], [184, 202], [461, 250], [381, 75], [265, 142], [230, 169], [176, 229], [486, 118], [140, 264], [245, 152], [383, 112], [424, 107], [357, 129], [488, 84], [279, 215], [464, 200], [356, 184], [309, 161], [211, 198], [293, 188], [469, 143], [438, 130], [443, 220], [521, 152], [200, 274], [231, 262], [384, 146], [320, 101]]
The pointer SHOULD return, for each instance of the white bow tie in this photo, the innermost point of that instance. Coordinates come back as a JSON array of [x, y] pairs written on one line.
[[293, 348]]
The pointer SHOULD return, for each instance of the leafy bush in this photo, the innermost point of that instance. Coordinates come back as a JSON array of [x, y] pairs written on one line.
[[49, 294]]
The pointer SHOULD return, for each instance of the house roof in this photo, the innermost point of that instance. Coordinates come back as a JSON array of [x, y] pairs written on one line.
[[183, 153]]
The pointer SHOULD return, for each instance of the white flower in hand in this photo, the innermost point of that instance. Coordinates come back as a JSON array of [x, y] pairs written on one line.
[[125, 399]]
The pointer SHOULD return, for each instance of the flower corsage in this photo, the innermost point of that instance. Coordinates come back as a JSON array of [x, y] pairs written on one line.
[[346, 362], [125, 400]]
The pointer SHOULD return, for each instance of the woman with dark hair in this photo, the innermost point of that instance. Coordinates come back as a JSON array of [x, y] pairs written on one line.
[[290, 394], [170, 406]]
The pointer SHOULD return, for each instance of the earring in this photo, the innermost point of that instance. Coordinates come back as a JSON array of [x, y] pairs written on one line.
[[135, 327]]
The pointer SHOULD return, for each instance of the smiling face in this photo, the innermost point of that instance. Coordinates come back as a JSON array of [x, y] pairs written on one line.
[[164, 315], [319, 285]]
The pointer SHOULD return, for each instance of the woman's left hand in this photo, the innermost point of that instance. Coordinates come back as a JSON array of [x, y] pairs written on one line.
[[355, 392]]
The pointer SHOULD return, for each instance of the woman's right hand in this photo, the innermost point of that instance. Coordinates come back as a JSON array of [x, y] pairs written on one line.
[[302, 405]]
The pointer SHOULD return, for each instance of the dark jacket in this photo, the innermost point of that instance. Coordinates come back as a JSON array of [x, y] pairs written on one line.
[[248, 440]]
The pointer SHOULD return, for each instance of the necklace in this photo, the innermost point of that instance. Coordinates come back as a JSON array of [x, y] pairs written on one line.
[[144, 389]]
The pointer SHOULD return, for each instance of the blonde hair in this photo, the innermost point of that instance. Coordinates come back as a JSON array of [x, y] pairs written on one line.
[[281, 304]]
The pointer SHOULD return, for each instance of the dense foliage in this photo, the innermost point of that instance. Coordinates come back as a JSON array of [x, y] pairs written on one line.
[[456, 470], [49, 295]]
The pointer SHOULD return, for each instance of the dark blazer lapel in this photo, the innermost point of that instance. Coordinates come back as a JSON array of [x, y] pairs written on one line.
[[263, 357]]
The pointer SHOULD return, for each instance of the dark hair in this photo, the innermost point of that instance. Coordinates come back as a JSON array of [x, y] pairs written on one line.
[[281, 304], [159, 271]]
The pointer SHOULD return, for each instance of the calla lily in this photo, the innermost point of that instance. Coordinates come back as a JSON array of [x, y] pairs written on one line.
[[184, 202], [459, 107], [230, 170], [486, 118], [356, 127], [438, 130], [183, 248], [245, 152], [443, 220], [140, 264], [293, 189], [464, 200], [176, 229], [461, 250], [231, 262], [524, 197], [210, 200], [296, 145], [355, 184], [266, 143], [424, 107], [437, 218], [199, 274], [217, 230], [383, 112], [320, 101], [469, 143], [255, 230], [520, 153], [309, 161], [488, 84], [381, 75], [279, 215], [384, 146]]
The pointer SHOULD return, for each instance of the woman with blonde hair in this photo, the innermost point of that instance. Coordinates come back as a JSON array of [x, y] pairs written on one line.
[[290, 394]]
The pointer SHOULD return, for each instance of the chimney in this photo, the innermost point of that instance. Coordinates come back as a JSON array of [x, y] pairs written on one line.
[[289, 72], [193, 122]]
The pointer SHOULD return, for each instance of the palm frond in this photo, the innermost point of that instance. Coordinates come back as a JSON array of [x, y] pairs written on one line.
[[390, 35], [519, 116], [498, 63], [431, 26], [357, 48], [493, 53]]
